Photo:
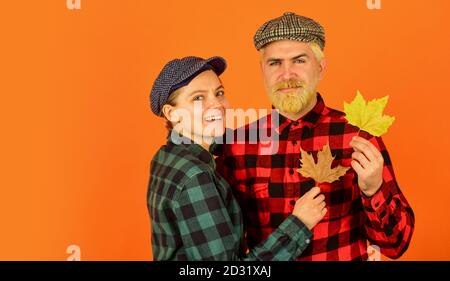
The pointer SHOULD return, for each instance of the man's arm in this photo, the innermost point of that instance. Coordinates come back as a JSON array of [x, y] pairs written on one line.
[[390, 219]]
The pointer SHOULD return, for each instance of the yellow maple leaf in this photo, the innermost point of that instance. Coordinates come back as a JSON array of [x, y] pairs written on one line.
[[368, 116], [322, 171]]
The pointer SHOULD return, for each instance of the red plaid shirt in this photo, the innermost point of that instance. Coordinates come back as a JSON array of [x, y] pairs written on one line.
[[267, 186]]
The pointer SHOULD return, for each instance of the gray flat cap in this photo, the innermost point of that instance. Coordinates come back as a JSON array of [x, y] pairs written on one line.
[[290, 27]]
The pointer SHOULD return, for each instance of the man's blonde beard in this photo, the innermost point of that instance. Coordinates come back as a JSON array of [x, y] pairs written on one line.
[[292, 102]]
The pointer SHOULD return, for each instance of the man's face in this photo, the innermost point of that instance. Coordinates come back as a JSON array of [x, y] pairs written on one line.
[[291, 74]]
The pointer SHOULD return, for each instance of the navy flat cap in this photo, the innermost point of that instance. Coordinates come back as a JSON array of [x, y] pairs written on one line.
[[178, 73]]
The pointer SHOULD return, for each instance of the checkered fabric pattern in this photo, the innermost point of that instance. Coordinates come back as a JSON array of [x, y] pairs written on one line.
[[290, 27], [267, 186], [194, 215], [178, 73]]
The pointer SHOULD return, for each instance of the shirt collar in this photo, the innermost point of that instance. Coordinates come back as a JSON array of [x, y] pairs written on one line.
[[193, 148], [309, 120]]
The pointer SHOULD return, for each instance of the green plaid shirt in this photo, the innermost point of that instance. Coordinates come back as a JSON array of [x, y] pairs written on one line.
[[194, 215]]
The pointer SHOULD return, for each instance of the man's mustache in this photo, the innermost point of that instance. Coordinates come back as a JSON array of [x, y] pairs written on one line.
[[288, 84]]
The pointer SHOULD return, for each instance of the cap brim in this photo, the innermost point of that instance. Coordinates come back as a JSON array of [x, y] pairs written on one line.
[[218, 64]]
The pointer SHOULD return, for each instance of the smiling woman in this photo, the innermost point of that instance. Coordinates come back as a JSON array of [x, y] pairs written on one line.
[[197, 111]]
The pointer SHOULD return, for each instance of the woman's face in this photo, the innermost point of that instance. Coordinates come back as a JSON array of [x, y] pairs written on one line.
[[199, 111]]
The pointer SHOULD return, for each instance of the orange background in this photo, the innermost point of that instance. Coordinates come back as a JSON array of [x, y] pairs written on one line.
[[78, 134]]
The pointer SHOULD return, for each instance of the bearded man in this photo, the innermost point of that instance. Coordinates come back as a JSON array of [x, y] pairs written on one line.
[[363, 206]]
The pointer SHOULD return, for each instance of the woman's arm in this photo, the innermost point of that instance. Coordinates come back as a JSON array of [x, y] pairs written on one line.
[[208, 233]]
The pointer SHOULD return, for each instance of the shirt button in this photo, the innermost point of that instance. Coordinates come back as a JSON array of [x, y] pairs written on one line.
[[307, 241], [291, 171], [294, 142], [292, 202]]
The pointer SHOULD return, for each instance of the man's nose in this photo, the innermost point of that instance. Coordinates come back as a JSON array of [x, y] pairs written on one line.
[[287, 72]]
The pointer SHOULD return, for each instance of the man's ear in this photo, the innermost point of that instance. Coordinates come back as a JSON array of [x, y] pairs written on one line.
[[323, 67], [168, 112]]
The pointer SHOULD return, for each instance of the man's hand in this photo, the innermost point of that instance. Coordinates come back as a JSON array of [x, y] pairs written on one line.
[[368, 164], [310, 208]]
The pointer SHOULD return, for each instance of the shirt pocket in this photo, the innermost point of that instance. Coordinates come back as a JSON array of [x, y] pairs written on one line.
[[257, 203], [339, 197]]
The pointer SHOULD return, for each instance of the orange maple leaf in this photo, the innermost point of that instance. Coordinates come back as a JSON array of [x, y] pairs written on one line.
[[321, 171]]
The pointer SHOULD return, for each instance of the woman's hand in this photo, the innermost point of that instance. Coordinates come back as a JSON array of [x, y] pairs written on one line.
[[310, 208]]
